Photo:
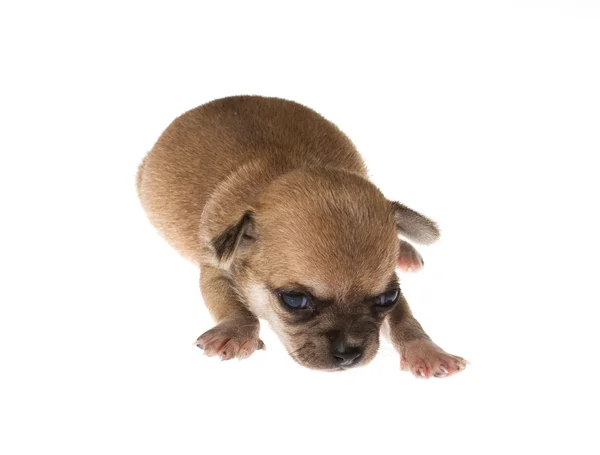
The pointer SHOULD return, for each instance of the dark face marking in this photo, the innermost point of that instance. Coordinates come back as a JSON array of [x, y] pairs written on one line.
[[329, 334]]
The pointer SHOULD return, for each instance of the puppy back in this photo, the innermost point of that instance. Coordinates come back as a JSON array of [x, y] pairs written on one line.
[[202, 147]]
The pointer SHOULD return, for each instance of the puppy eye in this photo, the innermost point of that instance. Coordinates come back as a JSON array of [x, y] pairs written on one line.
[[388, 299], [294, 300]]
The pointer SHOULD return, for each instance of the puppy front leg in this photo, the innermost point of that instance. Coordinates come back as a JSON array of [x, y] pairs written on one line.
[[236, 332], [418, 353]]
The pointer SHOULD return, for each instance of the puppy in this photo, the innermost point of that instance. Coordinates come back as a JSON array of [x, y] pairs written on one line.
[[273, 203]]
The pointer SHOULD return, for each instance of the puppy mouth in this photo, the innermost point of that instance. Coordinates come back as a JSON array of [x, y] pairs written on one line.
[[335, 369], [344, 368], [306, 357], [331, 368]]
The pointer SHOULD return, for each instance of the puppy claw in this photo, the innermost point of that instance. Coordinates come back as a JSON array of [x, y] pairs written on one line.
[[441, 372]]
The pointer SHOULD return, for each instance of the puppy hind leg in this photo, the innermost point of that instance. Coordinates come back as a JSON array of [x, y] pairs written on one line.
[[409, 259], [237, 329]]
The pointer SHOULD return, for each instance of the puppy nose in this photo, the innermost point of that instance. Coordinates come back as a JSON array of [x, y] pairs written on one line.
[[345, 355]]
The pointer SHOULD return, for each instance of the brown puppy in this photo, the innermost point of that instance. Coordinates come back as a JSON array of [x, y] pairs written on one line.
[[272, 201]]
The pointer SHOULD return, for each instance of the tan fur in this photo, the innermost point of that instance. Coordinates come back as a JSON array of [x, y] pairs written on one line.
[[266, 195]]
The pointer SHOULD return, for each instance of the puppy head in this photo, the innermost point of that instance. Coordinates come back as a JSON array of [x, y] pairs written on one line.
[[317, 260]]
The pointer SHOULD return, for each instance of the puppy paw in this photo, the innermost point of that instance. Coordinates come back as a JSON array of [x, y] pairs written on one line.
[[232, 339], [425, 359], [409, 259]]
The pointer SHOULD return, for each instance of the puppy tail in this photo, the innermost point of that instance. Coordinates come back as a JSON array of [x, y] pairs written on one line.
[[415, 226]]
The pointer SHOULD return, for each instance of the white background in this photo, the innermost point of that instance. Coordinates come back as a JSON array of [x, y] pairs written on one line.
[[484, 115]]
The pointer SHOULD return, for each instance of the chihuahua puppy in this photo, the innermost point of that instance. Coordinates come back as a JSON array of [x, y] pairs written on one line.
[[272, 201]]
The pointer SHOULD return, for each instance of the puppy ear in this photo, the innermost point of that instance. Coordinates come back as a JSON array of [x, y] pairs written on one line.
[[415, 226], [233, 238]]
